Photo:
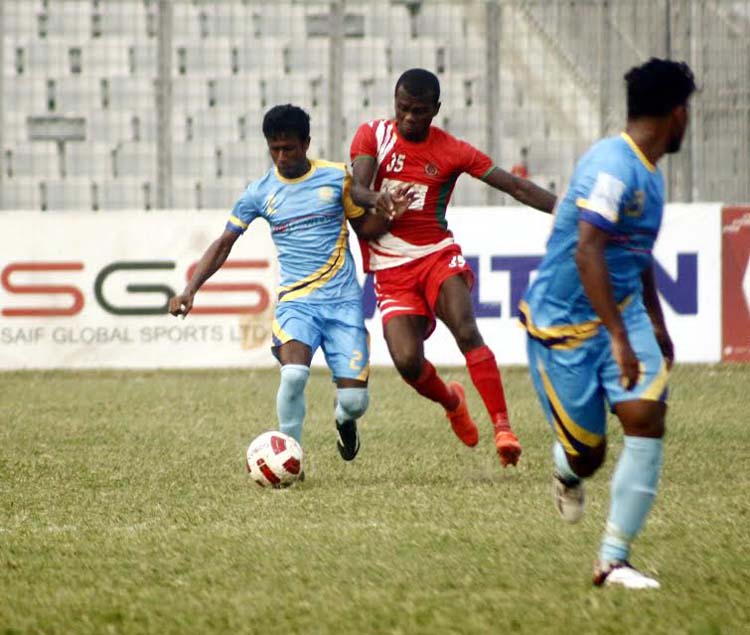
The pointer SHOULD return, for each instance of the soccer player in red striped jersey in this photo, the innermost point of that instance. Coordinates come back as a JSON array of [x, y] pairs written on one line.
[[420, 272]]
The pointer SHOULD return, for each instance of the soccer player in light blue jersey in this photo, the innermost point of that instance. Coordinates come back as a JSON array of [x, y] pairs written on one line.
[[307, 204], [596, 333]]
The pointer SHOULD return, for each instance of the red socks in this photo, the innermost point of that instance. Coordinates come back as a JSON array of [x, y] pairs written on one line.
[[486, 377], [431, 386]]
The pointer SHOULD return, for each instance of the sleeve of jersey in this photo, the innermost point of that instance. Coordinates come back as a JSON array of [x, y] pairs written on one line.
[[475, 162], [351, 210], [603, 201], [363, 144], [243, 213]]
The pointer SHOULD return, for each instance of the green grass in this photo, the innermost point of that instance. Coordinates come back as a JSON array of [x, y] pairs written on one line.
[[124, 508]]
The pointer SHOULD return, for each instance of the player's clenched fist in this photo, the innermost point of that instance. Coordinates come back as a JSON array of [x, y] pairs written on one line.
[[181, 304]]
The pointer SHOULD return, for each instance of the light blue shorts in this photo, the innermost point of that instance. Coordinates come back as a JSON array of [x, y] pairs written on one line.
[[336, 327], [576, 384]]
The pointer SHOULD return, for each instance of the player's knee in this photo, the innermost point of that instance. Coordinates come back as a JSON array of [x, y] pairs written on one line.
[[352, 402], [293, 379], [408, 364], [642, 418], [467, 336]]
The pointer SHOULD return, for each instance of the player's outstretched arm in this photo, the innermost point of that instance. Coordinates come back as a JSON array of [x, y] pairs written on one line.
[[653, 307], [523, 190], [592, 268], [210, 262]]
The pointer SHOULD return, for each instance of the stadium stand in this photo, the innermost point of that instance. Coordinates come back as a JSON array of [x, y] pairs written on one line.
[[232, 59]]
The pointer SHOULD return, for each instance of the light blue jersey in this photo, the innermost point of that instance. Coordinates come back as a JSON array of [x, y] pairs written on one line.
[[308, 217], [618, 190]]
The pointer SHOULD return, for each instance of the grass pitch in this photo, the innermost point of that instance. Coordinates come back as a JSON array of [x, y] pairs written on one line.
[[124, 508]]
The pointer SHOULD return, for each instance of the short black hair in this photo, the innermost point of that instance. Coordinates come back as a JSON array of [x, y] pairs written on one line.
[[286, 120], [420, 83], [657, 87]]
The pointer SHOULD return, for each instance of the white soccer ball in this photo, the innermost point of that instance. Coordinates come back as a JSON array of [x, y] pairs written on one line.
[[274, 459]]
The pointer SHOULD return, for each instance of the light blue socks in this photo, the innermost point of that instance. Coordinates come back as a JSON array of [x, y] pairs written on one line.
[[633, 490], [351, 403], [562, 468], [290, 399]]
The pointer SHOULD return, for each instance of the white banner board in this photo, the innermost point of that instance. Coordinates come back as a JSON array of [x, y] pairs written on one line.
[[90, 290]]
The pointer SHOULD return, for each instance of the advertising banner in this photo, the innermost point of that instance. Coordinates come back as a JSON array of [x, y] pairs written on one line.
[[735, 234], [90, 290]]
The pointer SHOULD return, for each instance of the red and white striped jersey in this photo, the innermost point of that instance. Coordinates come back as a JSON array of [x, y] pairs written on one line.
[[433, 166]]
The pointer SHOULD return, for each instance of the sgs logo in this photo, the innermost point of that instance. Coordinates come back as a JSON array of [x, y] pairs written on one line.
[[258, 292]]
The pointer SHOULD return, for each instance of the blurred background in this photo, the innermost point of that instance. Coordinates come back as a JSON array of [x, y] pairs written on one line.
[[149, 104]]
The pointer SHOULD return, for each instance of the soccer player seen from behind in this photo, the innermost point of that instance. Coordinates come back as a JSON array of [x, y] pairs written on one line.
[[596, 333], [420, 272], [307, 203]]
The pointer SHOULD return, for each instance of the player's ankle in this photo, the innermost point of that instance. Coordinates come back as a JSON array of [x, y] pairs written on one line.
[[500, 422]]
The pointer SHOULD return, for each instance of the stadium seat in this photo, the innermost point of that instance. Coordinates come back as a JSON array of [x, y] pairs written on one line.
[[272, 18], [117, 194], [367, 57], [185, 193], [263, 55], [382, 19], [130, 19], [109, 125], [229, 92], [404, 54], [446, 21], [293, 89], [70, 19], [142, 58], [14, 127], [217, 125], [19, 17], [233, 21], [20, 193], [94, 160], [36, 158], [306, 56], [49, 57], [244, 160], [132, 158], [25, 95], [106, 57], [137, 92], [201, 57], [220, 193], [195, 159], [66, 194], [75, 95]]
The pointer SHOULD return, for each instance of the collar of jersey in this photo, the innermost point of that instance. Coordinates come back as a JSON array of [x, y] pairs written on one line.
[[634, 147], [299, 179]]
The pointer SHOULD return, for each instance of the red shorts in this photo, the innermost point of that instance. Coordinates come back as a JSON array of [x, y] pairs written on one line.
[[412, 289]]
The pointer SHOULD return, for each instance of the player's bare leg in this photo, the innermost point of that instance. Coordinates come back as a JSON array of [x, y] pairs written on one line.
[[454, 307], [568, 487], [404, 335]]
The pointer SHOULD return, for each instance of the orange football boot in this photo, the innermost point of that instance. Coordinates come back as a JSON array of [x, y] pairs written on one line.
[[461, 421], [506, 443]]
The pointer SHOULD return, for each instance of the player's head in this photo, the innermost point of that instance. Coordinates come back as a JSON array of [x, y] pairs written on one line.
[[287, 132], [661, 89], [417, 101]]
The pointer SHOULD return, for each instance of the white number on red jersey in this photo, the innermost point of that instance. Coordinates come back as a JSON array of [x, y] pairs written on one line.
[[396, 164]]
